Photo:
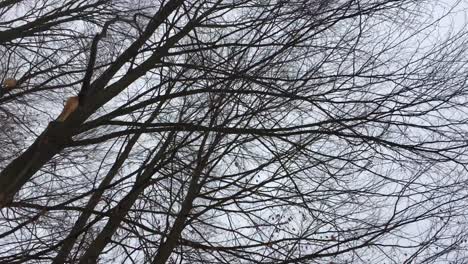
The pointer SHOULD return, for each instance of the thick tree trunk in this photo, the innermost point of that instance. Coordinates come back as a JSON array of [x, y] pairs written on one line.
[[19, 171], [58, 134]]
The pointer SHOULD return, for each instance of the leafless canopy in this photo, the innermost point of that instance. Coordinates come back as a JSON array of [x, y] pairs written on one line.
[[234, 131]]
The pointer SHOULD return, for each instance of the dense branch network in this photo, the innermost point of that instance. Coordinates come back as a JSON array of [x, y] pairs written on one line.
[[232, 132]]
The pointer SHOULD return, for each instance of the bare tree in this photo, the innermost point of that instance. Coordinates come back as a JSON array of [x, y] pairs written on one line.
[[242, 131]]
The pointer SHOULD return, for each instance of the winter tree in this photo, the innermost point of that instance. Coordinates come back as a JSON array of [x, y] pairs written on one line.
[[240, 131]]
